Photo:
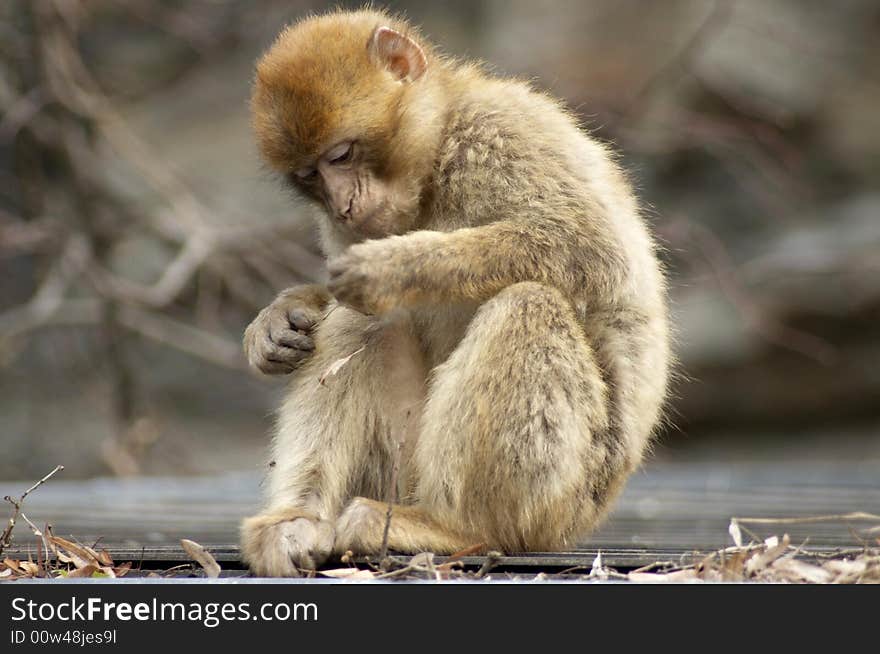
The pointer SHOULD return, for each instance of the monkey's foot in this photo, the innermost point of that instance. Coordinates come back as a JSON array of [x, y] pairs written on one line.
[[280, 545]]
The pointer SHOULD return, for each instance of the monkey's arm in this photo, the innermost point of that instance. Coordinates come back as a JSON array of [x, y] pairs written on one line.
[[475, 263]]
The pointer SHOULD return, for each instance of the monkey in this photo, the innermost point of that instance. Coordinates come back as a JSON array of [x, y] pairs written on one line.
[[488, 361]]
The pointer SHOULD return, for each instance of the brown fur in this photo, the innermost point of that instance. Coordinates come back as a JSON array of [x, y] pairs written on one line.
[[513, 321]]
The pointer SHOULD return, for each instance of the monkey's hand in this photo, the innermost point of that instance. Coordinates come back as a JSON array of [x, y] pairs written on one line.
[[279, 339], [367, 276]]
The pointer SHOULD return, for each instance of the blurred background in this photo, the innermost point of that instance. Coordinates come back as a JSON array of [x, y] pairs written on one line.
[[139, 233]]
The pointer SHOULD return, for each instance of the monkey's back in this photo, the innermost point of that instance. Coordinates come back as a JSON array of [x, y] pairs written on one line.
[[510, 153]]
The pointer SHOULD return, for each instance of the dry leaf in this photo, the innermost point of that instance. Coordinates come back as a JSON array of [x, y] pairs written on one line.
[[773, 550], [79, 555], [347, 573], [798, 571], [84, 572], [846, 571], [422, 560], [104, 558], [679, 576], [732, 568], [122, 569], [201, 556], [735, 533], [29, 567], [337, 365]]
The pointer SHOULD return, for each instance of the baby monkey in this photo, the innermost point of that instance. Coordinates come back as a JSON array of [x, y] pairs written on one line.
[[493, 290]]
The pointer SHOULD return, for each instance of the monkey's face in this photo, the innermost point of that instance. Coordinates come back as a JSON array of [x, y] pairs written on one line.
[[345, 180], [330, 112]]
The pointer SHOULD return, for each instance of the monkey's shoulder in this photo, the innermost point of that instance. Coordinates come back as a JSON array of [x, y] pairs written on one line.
[[507, 117], [504, 136]]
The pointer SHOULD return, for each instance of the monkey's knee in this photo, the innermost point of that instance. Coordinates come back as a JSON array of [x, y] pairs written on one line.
[[535, 302], [526, 296], [514, 425]]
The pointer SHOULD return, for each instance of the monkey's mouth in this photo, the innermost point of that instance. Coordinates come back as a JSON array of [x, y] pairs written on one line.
[[368, 223]]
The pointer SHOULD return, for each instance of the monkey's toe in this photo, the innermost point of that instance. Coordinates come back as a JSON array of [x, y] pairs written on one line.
[[359, 526], [308, 542], [285, 548]]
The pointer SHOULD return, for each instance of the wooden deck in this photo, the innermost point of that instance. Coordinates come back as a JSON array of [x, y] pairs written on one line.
[[670, 511]]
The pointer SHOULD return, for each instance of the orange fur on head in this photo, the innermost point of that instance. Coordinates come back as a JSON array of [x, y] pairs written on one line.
[[318, 83]]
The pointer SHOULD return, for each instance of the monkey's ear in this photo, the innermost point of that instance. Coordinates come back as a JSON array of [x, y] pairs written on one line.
[[398, 53]]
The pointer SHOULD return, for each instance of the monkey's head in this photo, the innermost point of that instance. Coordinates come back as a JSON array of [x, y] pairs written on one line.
[[343, 107]]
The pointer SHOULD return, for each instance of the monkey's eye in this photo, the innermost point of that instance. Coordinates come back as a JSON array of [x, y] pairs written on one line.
[[306, 173], [340, 154]]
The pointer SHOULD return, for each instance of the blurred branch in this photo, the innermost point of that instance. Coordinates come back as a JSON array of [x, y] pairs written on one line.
[[265, 254], [22, 110], [178, 335], [200, 343], [199, 35], [716, 19], [176, 276], [754, 315], [28, 237], [50, 295], [55, 113]]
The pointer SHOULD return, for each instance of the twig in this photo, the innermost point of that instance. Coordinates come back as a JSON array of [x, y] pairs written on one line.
[[392, 496], [855, 515], [492, 559], [467, 551], [6, 536], [33, 527], [39, 534]]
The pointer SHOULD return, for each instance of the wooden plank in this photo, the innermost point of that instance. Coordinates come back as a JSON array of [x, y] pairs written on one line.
[[157, 557], [668, 511]]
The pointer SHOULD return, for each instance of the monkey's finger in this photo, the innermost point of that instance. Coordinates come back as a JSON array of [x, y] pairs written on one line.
[[290, 338], [270, 351], [267, 357], [274, 368], [280, 333], [302, 319]]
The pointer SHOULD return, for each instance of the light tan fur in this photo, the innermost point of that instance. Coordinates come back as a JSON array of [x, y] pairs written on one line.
[[510, 325]]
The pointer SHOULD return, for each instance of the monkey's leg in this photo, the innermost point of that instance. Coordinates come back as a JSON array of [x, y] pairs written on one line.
[[334, 439], [515, 449]]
